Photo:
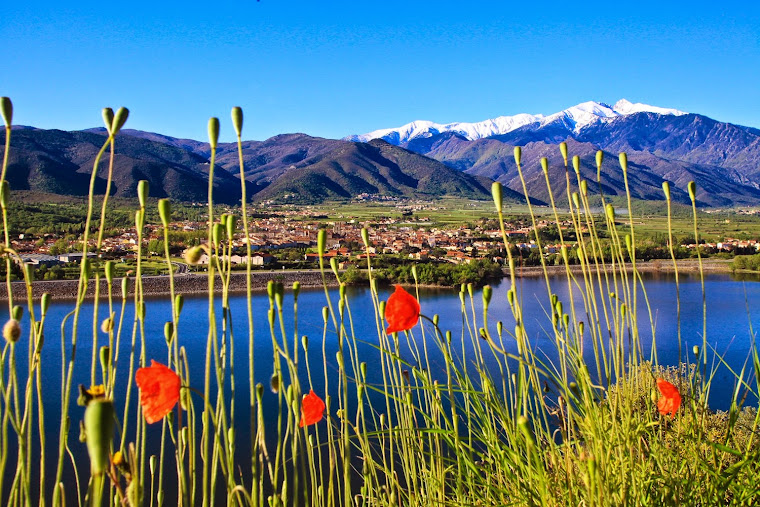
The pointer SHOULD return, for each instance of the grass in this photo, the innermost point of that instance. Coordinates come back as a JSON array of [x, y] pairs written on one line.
[[503, 425]]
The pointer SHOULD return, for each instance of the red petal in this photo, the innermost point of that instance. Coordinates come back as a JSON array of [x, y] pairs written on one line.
[[402, 311], [159, 390], [312, 408]]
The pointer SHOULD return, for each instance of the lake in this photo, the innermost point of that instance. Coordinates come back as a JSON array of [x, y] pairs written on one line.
[[733, 311]]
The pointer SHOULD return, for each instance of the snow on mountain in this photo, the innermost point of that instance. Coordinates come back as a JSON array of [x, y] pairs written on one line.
[[574, 118]]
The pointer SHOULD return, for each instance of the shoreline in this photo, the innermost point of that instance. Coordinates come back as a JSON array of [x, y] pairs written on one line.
[[194, 284]]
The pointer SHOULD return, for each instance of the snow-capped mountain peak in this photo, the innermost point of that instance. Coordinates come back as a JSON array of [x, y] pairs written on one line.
[[574, 118]]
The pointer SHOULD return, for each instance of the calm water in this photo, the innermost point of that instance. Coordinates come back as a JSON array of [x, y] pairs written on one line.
[[733, 310]]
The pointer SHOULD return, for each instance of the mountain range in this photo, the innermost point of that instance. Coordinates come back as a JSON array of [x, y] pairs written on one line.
[[421, 159]]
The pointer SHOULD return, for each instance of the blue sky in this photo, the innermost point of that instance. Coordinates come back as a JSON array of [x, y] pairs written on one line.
[[335, 68]]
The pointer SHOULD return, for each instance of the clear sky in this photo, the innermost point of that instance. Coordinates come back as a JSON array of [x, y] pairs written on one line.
[[334, 68]]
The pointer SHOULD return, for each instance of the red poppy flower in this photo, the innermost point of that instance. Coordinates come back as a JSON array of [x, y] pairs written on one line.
[[312, 408], [670, 400], [402, 311], [159, 390]]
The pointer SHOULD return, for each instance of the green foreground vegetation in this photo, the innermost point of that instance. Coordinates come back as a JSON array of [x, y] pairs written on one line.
[[503, 427]]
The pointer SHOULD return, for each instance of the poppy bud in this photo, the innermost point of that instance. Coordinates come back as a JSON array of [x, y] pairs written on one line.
[[334, 265], [107, 325], [109, 270], [231, 226], [142, 192], [695, 350], [497, 195], [179, 301], [511, 297], [86, 268], [168, 332], [165, 211], [213, 132], [623, 310], [563, 151], [274, 383], [17, 312], [296, 289], [414, 272], [692, 188], [518, 154], [325, 314], [623, 158], [124, 287], [119, 120], [152, 462], [45, 303], [107, 113], [6, 109], [584, 187], [305, 343], [545, 164], [363, 368], [436, 318], [321, 241], [193, 255], [216, 234], [365, 236], [12, 331], [577, 164], [98, 430], [487, 293], [105, 358], [666, 189], [499, 327], [237, 120], [610, 210]]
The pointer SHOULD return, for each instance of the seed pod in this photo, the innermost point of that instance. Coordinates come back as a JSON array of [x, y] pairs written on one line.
[[695, 350], [545, 164], [165, 211], [119, 120], [518, 154], [237, 120], [12, 331], [563, 151], [365, 236], [98, 430], [6, 109], [142, 192], [213, 132]]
